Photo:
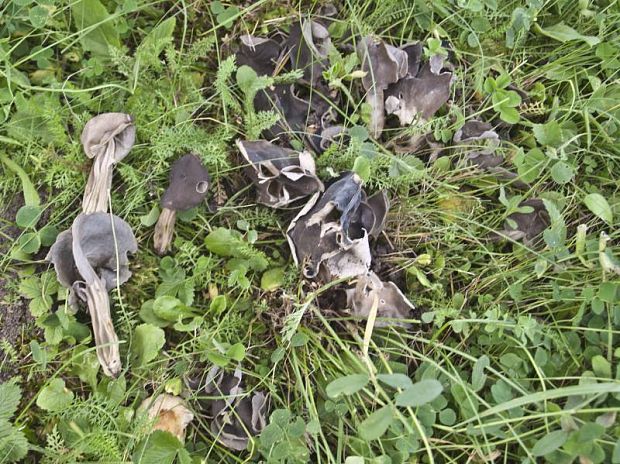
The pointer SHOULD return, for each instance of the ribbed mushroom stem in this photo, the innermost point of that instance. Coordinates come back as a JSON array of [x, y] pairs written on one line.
[[164, 230], [98, 186], [374, 98], [106, 339]]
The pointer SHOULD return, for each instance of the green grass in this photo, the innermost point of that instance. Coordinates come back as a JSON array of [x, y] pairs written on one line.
[[522, 338]]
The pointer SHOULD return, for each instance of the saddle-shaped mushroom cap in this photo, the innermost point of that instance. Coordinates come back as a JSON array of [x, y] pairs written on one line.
[[188, 184], [384, 65], [307, 46], [281, 175], [417, 97], [258, 53], [235, 416], [90, 259], [334, 230], [528, 225], [167, 413], [107, 138], [390, 301], [480, 142]]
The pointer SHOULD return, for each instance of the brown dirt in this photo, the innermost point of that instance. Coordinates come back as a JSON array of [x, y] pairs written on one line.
[[14, 313]]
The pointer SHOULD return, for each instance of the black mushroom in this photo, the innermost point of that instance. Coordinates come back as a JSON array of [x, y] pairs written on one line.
[[90, 259], [188, 184], [331, 233], [371, 291], [528, 224], [384, 65], [235, 415], [281, 175], [107, 138]]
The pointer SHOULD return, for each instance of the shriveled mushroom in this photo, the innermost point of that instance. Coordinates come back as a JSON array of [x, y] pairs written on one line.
[[390, 301], [168, 413], [107, 138], [189, 182], [281, 176], [529, 225], [384, 65], [307, 46], [331, 233], [258, 53], [418, 96], [481, 141], [235, 415], [90, 259]]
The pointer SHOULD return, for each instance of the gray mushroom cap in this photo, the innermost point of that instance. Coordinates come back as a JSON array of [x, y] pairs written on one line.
[[98, 247], [384, 65], [391, 303], [418, 97], [235, 415], [259, 53], [308, 45], [107, 138], [334, 230], [188, 184], [114, 133], [528, 225], [281, 175]]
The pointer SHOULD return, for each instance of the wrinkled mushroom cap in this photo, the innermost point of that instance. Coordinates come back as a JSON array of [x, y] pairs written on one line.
[[189, 182], [236, 416], [383, 64], [98, 247], [480, 142], [109, 131], [391, 303], [258, 53], [529, 225], [281, 176], [334, 229], [169, 413]]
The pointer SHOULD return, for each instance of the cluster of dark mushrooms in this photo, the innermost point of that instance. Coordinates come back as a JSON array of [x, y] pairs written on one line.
[[332, 236]]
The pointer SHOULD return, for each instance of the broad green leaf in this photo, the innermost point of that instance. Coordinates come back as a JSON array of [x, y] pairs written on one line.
[[601, 367], [375, 425], [549, 443], [478, 377], [272, 279], [96, 27], [30, 242], [31, 196], [395, 380], [147, 341], [159, 447], [246, 77], [11, 393], [510, 115], [38, 16], [564, 33], [419, 393], [55, 396], [548, 134], [562, 172], [48, 235], [599, 206], [361, 167], [151, 217], [347, 385], [236, 352], [27, 216]]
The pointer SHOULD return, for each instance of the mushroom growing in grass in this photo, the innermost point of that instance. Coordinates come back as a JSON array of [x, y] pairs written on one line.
[[331, 233], [235, 415], [168, 413], [189, 182], [107, 138], [370, 290], [384, 65], [281, 175], [90, 258]]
